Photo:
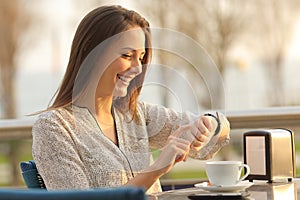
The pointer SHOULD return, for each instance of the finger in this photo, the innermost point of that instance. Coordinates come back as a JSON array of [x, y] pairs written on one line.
[[207, 122], [198, 136], [187, 151], [180, 130], [199, 143], [182, 149], [203, 128], [203, 138], [192, 134], [185, 133], [195, 132], [183, 158], [197, 148], [182, 155], [172, 138]]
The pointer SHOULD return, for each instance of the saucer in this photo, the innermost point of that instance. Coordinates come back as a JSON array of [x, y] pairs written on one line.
[[230, 188]]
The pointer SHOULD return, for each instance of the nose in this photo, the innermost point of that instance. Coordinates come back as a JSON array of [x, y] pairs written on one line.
[[136, 67]]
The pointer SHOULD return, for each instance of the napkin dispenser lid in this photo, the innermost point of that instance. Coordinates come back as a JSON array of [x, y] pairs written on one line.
[[270, 154]]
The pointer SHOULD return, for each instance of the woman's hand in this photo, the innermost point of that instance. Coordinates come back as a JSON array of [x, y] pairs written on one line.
[[197, 132], [179, 143], [214, 128], [175, 150]]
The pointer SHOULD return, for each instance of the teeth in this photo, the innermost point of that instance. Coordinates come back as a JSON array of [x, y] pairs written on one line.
[[123, 78]]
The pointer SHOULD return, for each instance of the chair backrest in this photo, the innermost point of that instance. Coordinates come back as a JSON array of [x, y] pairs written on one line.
[[31, 176]]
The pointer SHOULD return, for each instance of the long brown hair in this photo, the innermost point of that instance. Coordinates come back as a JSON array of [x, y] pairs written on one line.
[[96, 27]]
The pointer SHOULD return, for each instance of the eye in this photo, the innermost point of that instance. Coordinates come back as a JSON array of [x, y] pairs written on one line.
[[126, 55]]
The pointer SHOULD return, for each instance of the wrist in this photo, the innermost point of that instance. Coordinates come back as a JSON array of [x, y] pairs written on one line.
[[155, 171], [218, 123]]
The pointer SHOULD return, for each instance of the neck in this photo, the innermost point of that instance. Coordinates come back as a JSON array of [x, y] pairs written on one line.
[[103, 105], [103, 110]]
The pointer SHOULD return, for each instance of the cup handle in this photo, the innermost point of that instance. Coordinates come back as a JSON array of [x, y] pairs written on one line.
[[247, 172]]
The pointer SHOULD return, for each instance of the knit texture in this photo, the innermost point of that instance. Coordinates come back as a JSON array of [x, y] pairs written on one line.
[[71, 151]]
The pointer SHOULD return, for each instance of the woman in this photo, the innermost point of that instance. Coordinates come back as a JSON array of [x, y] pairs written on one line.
[[96, 133]]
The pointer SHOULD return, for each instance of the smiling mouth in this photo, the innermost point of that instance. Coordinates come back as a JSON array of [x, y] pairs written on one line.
[[124, 79]]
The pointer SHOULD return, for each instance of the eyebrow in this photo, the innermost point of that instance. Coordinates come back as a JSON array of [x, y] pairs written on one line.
[[132, 49]]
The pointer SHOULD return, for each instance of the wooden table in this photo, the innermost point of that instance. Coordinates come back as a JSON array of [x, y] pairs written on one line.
[[261, 190]]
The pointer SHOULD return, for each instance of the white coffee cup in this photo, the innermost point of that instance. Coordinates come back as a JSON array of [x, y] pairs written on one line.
[[225, 173]]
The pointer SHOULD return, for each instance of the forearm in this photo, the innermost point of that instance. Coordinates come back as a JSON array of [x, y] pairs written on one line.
[[176, 150], [146, 178]]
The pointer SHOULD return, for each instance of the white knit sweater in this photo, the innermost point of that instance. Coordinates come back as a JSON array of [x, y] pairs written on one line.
[[71, 152]]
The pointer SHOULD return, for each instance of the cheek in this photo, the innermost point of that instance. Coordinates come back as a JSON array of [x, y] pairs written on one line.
[[120, 65]]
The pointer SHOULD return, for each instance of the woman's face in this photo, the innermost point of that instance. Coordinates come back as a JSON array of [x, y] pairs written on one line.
[[128, 54]]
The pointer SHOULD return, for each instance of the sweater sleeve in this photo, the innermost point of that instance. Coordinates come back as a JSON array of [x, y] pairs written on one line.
[[161, 122], [55, 154]]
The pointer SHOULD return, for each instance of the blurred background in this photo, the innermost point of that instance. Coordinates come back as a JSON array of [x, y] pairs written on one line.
[[254, 44]]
